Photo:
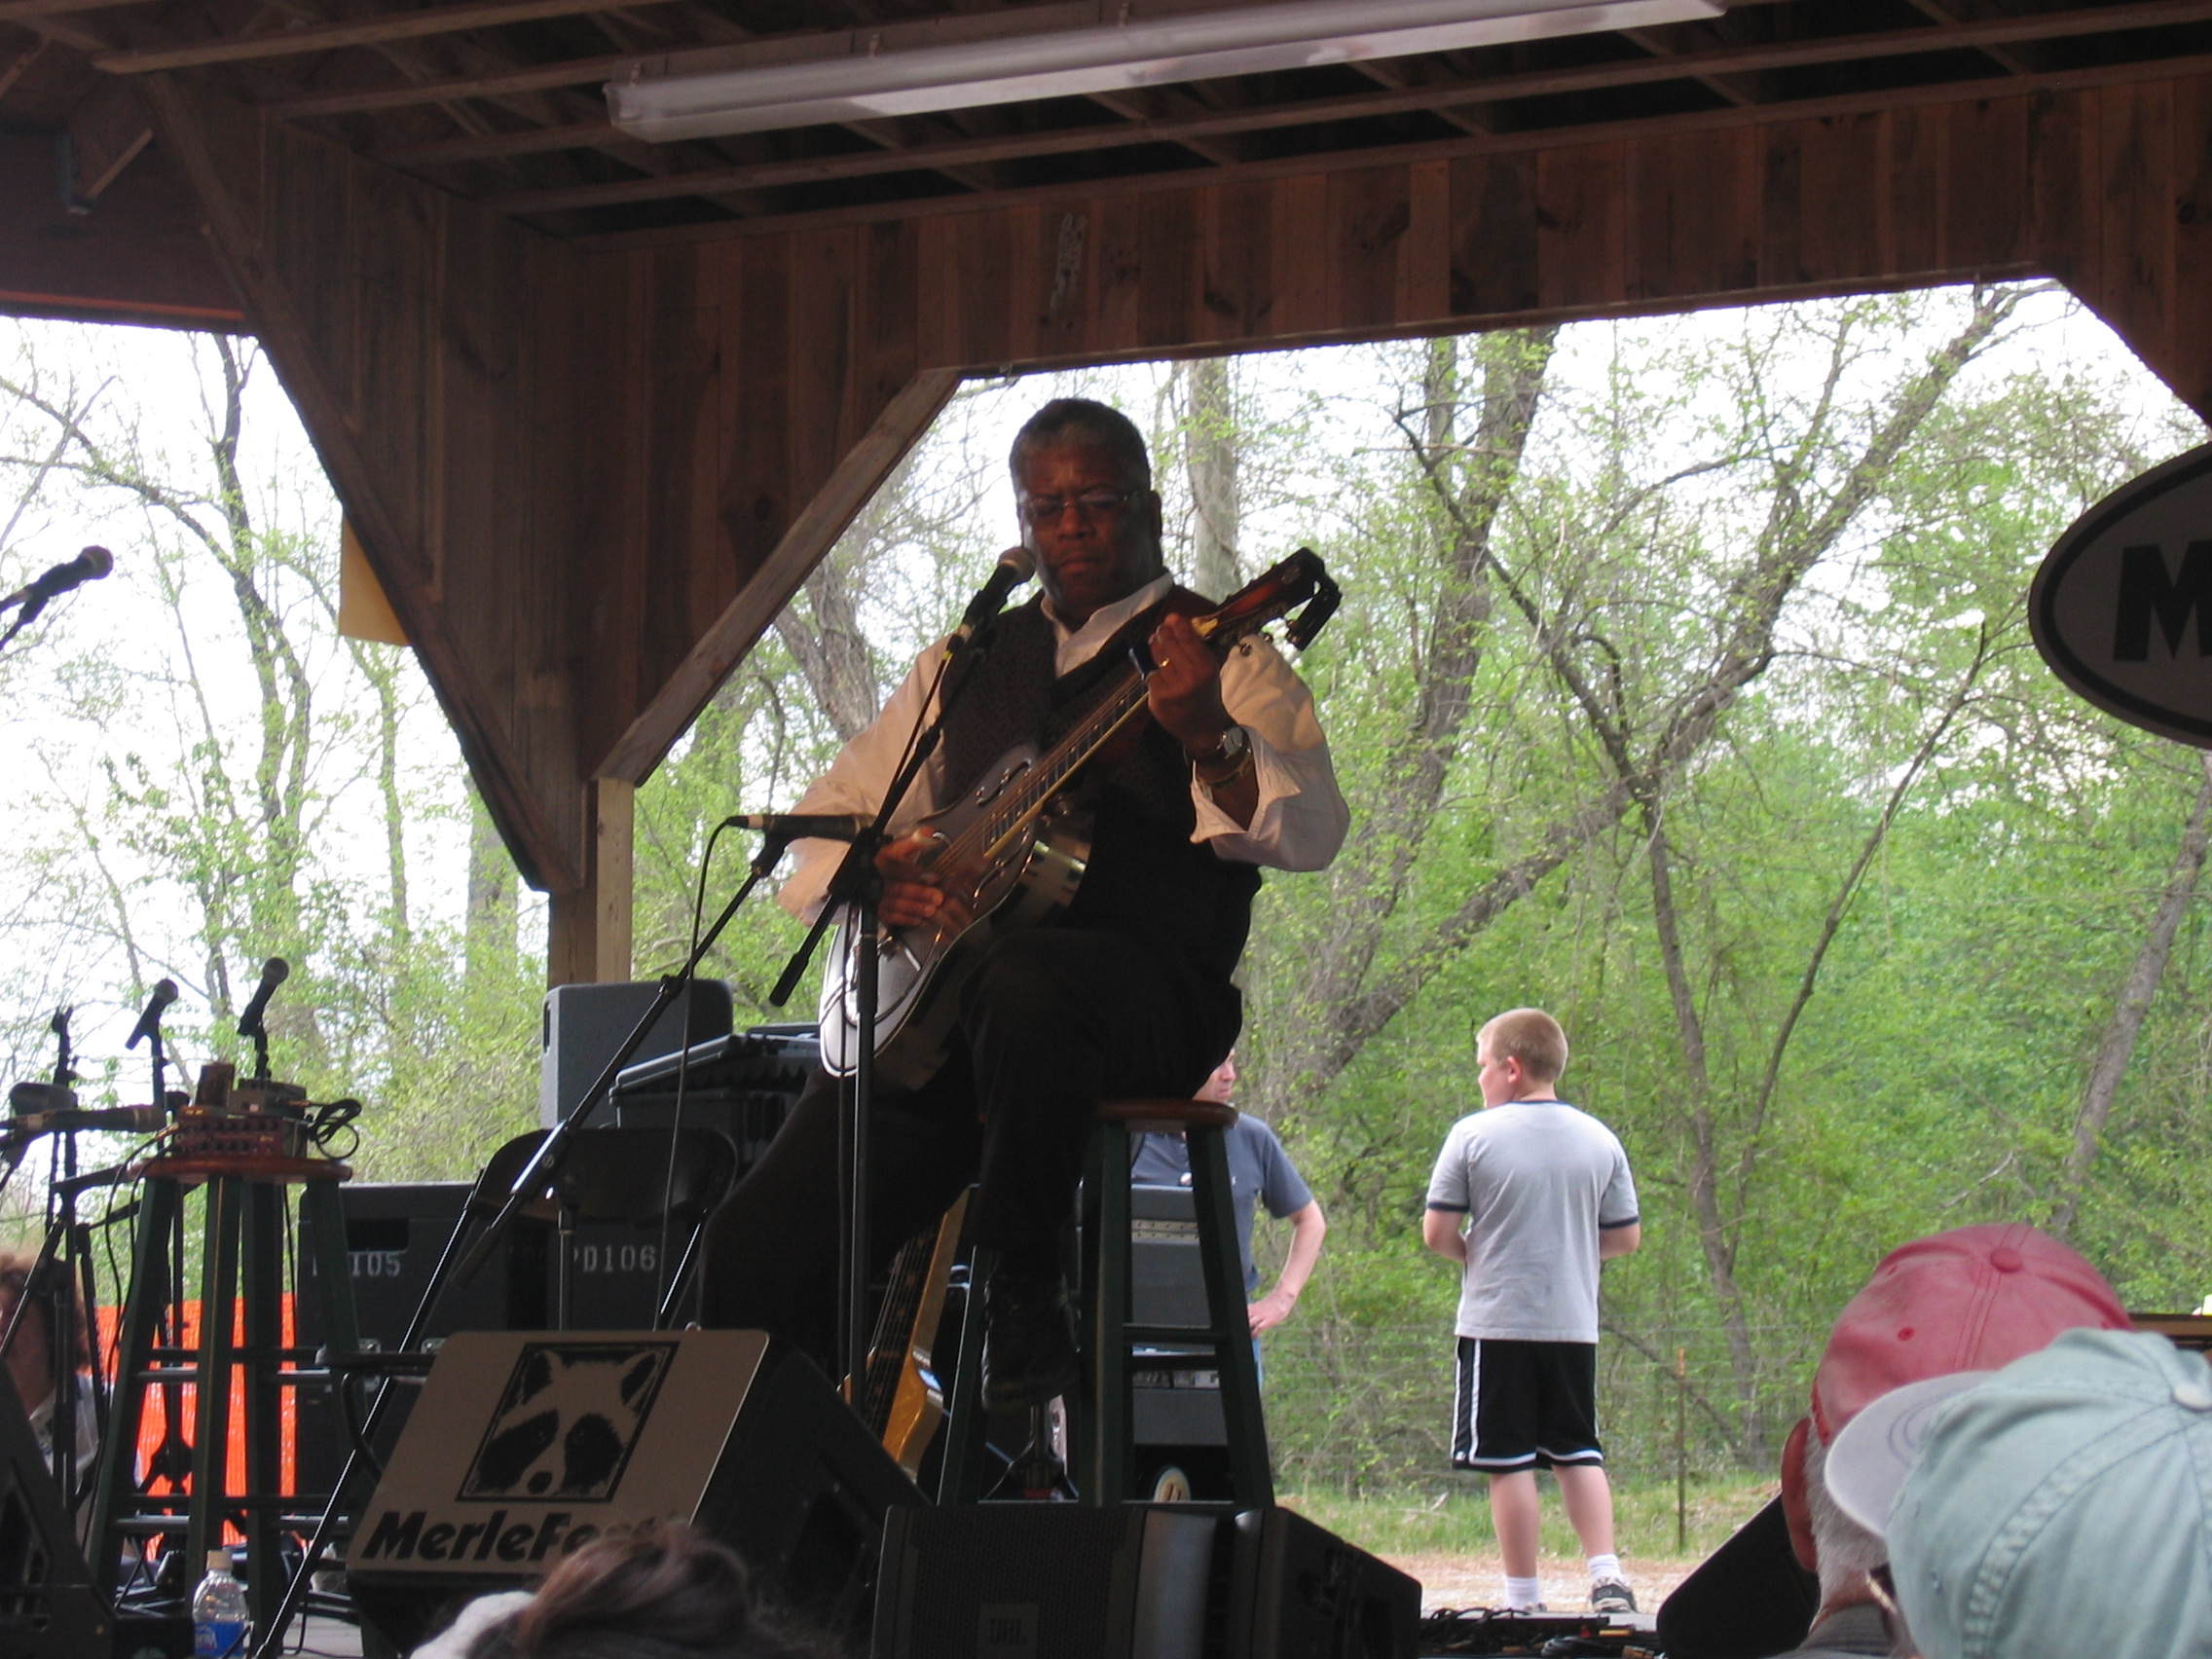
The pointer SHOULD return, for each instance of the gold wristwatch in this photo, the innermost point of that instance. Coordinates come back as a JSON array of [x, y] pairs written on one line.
[[1230, 759]]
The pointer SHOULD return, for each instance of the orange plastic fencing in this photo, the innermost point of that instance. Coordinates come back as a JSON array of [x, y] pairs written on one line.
[[154, 1424]]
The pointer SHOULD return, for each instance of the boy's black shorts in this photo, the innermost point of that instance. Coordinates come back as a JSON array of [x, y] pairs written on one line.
[[1525, 1405]]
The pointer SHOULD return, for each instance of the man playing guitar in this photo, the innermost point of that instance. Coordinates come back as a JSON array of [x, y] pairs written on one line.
[[1129, 994]]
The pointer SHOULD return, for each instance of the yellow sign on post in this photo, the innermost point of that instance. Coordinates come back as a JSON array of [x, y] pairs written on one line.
[[363, 611]]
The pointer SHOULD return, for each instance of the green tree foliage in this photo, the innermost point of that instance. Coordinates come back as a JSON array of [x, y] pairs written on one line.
[[257, 785]]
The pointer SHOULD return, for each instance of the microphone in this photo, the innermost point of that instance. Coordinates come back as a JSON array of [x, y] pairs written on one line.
[[88, 566], [149, 1022], [1015, 566], [274, 972], [803, 826]]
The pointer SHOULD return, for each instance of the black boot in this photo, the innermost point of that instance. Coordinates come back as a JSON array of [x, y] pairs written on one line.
[[1028, 1339]]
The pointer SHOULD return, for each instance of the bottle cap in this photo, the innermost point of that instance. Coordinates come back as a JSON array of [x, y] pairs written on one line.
[[218, 1561]]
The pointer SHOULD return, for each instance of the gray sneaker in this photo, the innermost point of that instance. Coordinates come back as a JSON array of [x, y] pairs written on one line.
[[1612, 1596]]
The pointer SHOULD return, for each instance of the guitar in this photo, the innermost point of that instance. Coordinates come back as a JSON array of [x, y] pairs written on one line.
[[898, 1396], [1009, 852]]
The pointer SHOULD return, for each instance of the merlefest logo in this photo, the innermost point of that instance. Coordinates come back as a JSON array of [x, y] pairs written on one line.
[[564, 1431], [2122, 608]]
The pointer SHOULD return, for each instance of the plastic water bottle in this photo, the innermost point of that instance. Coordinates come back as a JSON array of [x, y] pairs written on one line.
[[218, 1612]]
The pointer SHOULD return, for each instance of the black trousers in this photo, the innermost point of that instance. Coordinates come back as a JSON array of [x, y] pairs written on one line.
[[1055, 1022]]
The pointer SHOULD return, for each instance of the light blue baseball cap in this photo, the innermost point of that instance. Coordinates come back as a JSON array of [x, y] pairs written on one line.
[[2062, 1507]]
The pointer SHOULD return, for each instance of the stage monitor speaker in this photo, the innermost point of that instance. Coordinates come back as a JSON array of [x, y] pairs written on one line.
[[1299, 1592], [48, 1608], [1047, 1581], [584, 1026], [528, 1445]]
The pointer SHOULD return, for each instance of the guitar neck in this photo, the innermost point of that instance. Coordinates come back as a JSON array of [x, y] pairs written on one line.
[[1012, 815]]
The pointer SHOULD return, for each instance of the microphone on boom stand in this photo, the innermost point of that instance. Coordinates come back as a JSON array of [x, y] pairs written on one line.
[[88, 566], [150, 1022], [1015, 566], [803, 826], [274, 972]]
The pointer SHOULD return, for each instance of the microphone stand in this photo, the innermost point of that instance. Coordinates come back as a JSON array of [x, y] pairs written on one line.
[[856, 890], [544, 1164]]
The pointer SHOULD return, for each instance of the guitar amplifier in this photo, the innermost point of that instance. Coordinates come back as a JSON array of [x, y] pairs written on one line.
[[528, 1445], [393, 1237]]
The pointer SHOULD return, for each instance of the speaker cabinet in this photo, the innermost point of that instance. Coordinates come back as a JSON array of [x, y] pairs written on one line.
[[525, 1446], [1047, 1581], [1299, 1592]]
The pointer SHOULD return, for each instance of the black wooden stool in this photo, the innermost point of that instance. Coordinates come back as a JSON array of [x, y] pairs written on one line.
[[1105, 1335]]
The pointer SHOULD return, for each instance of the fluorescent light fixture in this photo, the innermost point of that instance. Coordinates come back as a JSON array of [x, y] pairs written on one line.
[[1063, 50]]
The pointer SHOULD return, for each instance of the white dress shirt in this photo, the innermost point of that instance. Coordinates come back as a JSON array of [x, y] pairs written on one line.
[[1299, 822]]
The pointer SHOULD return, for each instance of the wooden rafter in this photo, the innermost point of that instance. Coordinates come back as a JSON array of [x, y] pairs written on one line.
[[1722, 60], [352, 31], [1444, 150], [1178, 129]]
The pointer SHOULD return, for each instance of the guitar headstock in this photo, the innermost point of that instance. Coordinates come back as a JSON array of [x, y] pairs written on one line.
[[1299, 580]]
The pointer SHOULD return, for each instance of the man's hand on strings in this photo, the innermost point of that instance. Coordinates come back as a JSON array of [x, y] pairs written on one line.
[[913, 889], [1185, 691]]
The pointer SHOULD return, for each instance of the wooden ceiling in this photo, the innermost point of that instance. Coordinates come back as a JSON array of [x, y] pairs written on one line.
[[499, 101]]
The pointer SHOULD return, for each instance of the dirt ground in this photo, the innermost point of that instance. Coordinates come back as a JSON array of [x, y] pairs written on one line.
[[1478, 1581]]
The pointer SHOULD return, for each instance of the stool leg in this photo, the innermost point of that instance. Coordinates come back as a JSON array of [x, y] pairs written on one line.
[[960, 1478], [262, 1272], [1103, 1437], [1218, 1255], [211, 1438], [149, 1294]]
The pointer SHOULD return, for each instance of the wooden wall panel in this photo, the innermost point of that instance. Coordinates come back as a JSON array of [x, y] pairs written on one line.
[[2062, 183], [1236, 273], [2136, 248], [479, 551], [1370, 212], [1915, 189], [2192, 328], [1581, 227], [755, 440], [1492, 235], [1821, 200], [1986, 195], [1168, 274], [1692, 215]]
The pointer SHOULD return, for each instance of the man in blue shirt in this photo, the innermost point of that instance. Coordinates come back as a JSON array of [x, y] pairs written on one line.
[[1259, 1172]]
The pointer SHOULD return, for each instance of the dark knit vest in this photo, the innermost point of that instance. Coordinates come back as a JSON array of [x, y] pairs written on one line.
[[1147, 878]]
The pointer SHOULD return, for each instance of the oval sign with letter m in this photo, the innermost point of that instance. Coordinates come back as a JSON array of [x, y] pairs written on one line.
[[2122, 608]]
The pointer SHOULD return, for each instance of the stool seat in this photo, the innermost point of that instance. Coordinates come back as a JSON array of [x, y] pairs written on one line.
[[1164, 1117]]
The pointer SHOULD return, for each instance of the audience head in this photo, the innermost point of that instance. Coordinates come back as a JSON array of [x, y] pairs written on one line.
[[30, 1359], [1527, 1036], [660, 1592], [1219, 1082], [2059, 1507], [1971, 1299]]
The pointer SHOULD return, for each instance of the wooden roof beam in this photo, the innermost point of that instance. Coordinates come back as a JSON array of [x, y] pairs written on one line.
[[1388, 72], [1949, 12], [817, 169], [1734, 59], [351, 32]]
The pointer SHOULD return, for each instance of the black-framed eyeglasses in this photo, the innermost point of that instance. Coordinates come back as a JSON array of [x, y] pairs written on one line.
[[1091, 504]]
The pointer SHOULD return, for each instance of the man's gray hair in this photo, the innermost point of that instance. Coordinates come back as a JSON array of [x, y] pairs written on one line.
[[1847, 1551], [1083, 421]]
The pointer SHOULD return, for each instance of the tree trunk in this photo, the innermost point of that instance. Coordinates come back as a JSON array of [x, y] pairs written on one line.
[[2125, 1025], [1209, 452], [490, 928]]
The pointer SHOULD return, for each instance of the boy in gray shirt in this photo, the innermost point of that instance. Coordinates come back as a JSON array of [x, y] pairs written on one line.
[[1531, 1195]]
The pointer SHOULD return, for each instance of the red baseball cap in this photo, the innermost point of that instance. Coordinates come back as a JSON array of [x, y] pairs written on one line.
[[1974, 1299]]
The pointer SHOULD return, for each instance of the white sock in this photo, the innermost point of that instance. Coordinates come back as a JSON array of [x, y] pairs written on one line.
[[1522, 1592], [1606, 1570]]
